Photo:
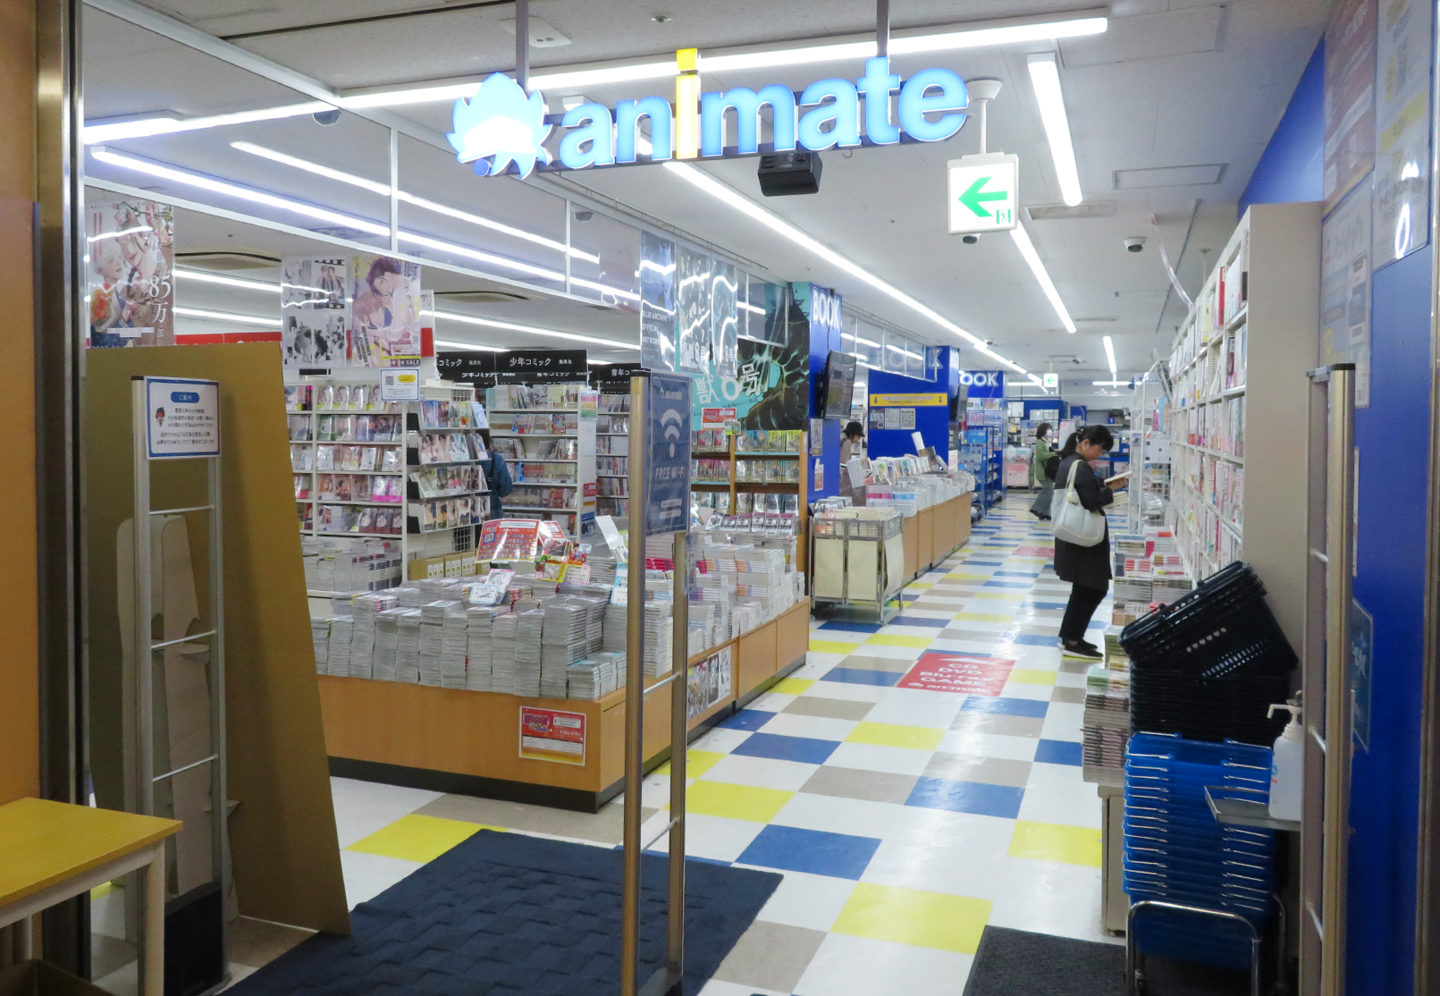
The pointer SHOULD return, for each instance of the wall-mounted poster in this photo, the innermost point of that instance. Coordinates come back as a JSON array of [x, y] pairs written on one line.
[[132, 274], [725, 318], [1345, 288], [692, 324], [1402, 130], [385, 310], [657, 302], [771, 386], [1349, 97], [314, 310]]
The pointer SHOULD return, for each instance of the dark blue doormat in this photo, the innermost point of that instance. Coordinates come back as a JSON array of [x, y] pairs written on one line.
[[503, 913]]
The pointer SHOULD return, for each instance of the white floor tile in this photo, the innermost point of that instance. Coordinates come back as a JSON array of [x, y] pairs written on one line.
[[860, 966], [764, 772], [956, 853], [914, 707], [716, 837], [1026, 690], [968, 743], [368, 875], [721, 740], [814, 727], [929, 613], [845, 690], [811, 901], [833, 814], [772, 702], [1058, 793], [1051, 898], [1063, 721], [873, 757], [717, 988], [361, 808], [817, 659], [892, 653], [899, 629], [965, 646]]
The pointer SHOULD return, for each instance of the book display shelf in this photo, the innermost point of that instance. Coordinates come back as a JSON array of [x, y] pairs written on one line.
[[1238, 418], [612, 456], [547, 435], [752, 472]]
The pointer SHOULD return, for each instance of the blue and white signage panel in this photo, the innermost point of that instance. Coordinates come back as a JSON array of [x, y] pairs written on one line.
[[182, 418], [667, 437]]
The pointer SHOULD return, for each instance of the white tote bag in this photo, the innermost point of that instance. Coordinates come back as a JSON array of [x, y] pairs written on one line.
[[1074, 523]]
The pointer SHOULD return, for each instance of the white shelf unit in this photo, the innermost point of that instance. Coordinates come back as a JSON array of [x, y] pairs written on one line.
[[1150, 455], [612, 443], [440, 521], [1238, 419], [549, 450]]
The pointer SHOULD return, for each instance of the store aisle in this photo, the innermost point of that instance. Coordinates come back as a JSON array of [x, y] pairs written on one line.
[[903, 819]]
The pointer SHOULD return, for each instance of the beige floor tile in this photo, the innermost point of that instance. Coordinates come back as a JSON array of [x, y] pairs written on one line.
[[770, 956], [857, 783]]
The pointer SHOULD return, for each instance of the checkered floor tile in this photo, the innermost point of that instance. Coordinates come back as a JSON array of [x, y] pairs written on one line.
[[904, 817]]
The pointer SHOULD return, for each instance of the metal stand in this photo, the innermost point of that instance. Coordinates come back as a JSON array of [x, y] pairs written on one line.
[[1134, 963], [642, 440], [195, 782], [1325, 824]]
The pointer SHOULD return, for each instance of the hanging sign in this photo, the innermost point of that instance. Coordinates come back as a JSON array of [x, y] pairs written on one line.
[[984, 193], [667, 441], [399, 384], [504, 129], [1051, 380], [183, 418]]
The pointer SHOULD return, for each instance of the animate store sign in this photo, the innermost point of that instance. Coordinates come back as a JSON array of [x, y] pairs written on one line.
[[502, 125]]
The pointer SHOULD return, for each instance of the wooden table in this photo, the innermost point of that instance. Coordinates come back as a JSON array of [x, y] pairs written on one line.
[[55, 851]]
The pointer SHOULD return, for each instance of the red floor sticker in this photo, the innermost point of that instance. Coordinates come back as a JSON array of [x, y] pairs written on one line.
[[972, 674], [1034, 551]]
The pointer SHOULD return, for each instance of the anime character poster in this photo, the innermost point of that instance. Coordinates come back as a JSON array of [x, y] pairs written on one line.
[[693, 301], [657, 302], [385, 306], [314, 310], [770, 388], [131, 245]]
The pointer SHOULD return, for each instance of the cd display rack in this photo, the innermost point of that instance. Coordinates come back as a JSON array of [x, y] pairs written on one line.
[[740, 473], [547, 435]]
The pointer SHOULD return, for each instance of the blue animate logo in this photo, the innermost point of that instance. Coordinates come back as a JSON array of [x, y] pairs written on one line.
[[500, 125]]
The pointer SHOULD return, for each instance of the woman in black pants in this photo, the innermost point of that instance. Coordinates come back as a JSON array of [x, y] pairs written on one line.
[[1087, 568]]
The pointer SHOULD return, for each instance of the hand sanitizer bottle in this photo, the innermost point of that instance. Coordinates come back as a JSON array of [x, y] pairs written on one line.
[[1287, 768]]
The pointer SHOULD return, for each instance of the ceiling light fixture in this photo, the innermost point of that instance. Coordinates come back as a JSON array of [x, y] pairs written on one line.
[[1045, 78], [532, 330], [214, 278], [167, 125], [1110, 383], [225, 316], [1037, 267], [1110, 354], [451, 343], [383, 189], [115, 235]]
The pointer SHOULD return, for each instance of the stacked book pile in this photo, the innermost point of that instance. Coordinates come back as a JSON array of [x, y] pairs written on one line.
[[432, 638], [528, 631], [658, 639], [479, 622], [563, 642], [407, 648], [595, 677], [613, 638], [503, 628], [454, 646], [602, 570], [320, 635], [1106, 730], [387, 643], [364, 609], [338, 660]]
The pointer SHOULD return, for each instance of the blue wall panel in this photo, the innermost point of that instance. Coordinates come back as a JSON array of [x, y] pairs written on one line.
[[1291, 167], [932, 422]]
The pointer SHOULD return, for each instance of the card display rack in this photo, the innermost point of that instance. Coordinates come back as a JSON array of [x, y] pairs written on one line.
[[547, 435]]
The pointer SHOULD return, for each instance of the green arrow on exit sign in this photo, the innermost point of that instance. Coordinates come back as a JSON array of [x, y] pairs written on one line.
[[983, 193], [972, 197]]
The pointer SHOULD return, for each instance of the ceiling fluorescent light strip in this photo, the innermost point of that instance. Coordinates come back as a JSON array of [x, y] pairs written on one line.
[[532, 330], [1032, 258], [1045, 78], [337, 218], [1110, 383], [149, 127], [383, 189], [1110, 354], [225, 316], [475, 346], [744, 205], [214, 278]]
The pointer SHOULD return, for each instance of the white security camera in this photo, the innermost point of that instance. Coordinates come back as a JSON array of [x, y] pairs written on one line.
[[1135, 243]]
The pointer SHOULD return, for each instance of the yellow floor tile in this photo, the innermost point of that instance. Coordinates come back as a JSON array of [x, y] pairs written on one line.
[[998, 596], [697, 762], [418, 838], [910, 916], [1029, 676], [921, 584], [1056, 842], [893, 735], [832, 647], [983, 617], [793, 686], [968, 577], [892, 640], [737, 802]]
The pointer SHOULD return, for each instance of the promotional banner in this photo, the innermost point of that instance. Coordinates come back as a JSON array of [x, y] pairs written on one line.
[[1402, 130], [725, 318], [1345, 288], [132, 274], [692, 293], [385, 305], [771, 385], [314, 310], [657, 302], [1350, 97]]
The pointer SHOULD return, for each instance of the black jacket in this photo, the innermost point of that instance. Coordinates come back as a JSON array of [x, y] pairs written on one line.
[[1084, 565]]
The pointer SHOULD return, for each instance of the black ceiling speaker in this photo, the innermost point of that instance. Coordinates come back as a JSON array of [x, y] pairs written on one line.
[[785, 173]]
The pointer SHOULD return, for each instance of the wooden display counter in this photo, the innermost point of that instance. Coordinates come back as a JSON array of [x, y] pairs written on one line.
[[451, 740], [934, 533]]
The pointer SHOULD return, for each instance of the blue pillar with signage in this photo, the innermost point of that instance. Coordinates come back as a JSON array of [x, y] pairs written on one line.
[[900, 406], [822, 307]]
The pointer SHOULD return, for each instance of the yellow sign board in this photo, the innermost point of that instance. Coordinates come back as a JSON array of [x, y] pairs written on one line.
[[906, 400]]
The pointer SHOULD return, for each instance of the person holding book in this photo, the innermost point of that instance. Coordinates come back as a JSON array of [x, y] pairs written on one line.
[[1087, 568]]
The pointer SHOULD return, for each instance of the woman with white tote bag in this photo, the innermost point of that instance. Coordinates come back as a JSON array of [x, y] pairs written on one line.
[[1081, 558]]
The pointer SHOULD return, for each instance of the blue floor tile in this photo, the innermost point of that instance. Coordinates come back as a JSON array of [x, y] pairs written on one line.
[[1060, 752], [852, 627], [1017, 574], [978, 798], [859, 676], [815, 852], [1011, 707], [803, 749], [1007, 584], [912, 595], [904, 620], [1031, 640], [984, 563], [1053, 606], [748, 719]]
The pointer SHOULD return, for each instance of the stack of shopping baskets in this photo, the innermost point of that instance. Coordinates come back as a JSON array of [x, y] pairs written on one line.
[[1176, 851], [1208, 666]]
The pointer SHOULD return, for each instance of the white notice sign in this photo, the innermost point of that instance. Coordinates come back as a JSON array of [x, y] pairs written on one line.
[[399, 384], [984, 193], [183, 418]]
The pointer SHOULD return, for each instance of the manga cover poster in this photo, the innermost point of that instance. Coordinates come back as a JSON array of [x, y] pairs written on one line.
[[314, 310], [131, 278], [385, 306]]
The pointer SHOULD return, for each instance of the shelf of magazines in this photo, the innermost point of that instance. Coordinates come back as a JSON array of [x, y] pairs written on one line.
[[547, 435]]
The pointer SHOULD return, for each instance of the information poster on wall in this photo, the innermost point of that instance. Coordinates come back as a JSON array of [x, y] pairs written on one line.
[[552, 735], [708, 683], [385, 305], [771, 386], [657, 302], [1402, 129], [132, 274], [1349, 97], [1345, 288], [314, 310], [183, 418]]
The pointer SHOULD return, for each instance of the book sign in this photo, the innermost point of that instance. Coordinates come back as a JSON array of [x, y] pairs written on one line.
[[182, 418], [552, 735], [667, 438]]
